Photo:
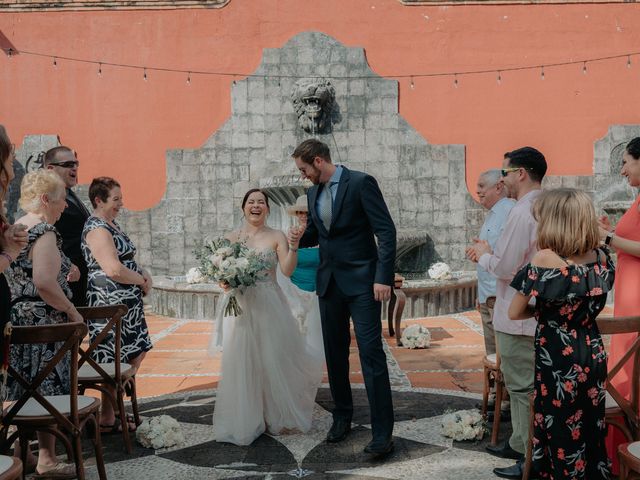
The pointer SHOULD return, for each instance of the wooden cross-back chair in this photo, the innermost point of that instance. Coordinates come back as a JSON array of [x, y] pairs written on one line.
[[10, 468], [64, 416], [114, 379], [621, 412], [492, 375]]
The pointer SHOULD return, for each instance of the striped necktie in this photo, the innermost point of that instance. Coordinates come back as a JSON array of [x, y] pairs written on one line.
[[326, 205]]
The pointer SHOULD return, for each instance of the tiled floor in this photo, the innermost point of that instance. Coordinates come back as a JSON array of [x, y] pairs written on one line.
[[179, 360], [179, 379]]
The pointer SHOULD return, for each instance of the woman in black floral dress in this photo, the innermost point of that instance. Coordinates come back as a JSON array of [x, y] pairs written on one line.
[[114, 277], [40, 292], [569, 278]]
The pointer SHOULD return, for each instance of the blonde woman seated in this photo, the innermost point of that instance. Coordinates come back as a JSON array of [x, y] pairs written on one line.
[[41, 296]]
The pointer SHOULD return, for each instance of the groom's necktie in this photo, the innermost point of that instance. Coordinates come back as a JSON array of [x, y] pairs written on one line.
[[326, 204]]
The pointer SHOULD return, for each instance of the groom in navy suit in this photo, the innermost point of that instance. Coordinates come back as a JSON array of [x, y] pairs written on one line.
[[346, 215]]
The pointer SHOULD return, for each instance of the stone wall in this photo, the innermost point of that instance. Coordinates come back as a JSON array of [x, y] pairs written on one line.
[[423, 184]]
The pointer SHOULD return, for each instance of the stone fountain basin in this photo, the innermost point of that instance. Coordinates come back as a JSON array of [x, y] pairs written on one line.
[[173, 297]]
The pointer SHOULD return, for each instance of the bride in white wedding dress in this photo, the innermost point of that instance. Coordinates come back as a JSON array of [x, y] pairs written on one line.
[[270, 370]]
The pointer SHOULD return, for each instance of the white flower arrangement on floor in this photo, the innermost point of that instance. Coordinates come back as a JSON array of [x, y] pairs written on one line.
[[159, 432], [440, 271], [463, 425], [416, 336], [194, 275]]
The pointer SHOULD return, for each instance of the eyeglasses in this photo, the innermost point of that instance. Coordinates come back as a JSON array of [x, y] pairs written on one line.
[[68, 164], [506, 171]]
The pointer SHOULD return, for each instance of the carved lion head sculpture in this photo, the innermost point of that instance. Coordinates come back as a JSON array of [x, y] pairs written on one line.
[[313, 101]]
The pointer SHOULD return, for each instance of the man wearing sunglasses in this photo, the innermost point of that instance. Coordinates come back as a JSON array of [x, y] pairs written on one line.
[[63, 161], [522, 173]]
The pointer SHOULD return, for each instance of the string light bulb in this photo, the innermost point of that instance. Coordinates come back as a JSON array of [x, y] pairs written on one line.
[[412, 85], [542, 72], [10, 53], [455, 80], [100, 69], [499, 79], [584, 68], [144, 76], [629, 61], [189, 78], [55, 62]]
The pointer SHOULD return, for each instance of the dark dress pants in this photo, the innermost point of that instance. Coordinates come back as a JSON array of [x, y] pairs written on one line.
[[335, 311]]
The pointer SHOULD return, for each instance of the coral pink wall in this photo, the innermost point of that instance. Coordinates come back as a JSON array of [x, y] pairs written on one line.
[[122, 125]]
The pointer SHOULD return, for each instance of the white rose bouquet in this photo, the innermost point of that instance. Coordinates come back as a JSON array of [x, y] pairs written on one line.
[[415, 336], [463, 425], [231, 263], [439, 271], [194, 275], [159, 432]]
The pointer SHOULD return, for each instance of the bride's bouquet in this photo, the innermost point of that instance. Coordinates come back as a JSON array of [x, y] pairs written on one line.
[[233, 263]]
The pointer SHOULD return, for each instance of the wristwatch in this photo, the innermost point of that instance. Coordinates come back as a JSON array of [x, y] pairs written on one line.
[[608, 238]]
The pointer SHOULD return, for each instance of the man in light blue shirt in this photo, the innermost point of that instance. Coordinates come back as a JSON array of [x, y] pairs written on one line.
[[492, 195]]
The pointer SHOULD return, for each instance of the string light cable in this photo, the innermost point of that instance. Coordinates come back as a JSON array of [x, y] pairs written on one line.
[[190, 73]]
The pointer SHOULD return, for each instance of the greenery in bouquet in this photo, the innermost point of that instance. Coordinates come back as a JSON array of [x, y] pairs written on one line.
[[233, 263]]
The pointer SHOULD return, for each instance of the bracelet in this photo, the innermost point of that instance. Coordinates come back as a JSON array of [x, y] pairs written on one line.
[[608, 238], [7, 256]]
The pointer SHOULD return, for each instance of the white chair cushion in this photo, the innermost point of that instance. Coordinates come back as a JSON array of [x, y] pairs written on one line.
[[609, 402], [5, 463], [634, 449], [87, 372], [492, 358], [60, 402]]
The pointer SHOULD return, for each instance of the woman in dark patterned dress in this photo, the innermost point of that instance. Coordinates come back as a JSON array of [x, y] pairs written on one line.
[[114, 277], [569, 278], [41, 296]]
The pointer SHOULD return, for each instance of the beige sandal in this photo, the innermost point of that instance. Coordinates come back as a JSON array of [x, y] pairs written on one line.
[[59, 470]]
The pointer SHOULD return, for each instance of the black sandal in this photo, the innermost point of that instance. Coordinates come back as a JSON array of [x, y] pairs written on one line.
[[114, 429]]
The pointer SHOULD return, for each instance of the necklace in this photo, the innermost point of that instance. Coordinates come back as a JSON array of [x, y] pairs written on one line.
[[244, 236]]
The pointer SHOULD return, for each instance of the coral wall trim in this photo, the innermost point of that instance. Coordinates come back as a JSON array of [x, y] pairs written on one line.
[[415, 3], [79, 5]]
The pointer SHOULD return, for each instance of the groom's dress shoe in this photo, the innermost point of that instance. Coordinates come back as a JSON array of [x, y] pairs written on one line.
[[503, 451], [380, 447], [514, 471], [339, 430]]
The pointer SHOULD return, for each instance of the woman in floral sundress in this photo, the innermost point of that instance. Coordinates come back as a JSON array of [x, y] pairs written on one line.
[[569, 278]]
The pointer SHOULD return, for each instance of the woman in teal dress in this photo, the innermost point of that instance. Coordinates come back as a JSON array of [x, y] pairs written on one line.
[[304, 301]]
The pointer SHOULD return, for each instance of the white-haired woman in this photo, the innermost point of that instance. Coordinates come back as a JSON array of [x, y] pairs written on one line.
[[41, 296]]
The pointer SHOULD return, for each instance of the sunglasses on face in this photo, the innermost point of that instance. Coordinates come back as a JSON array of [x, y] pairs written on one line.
[[506, 171], [69, 164]]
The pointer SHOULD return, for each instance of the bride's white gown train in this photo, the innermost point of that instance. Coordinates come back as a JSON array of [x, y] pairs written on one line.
[[270, 372]]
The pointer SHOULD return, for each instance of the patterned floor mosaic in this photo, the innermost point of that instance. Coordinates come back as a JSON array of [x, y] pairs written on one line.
[[179, 379], [421, 451]]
